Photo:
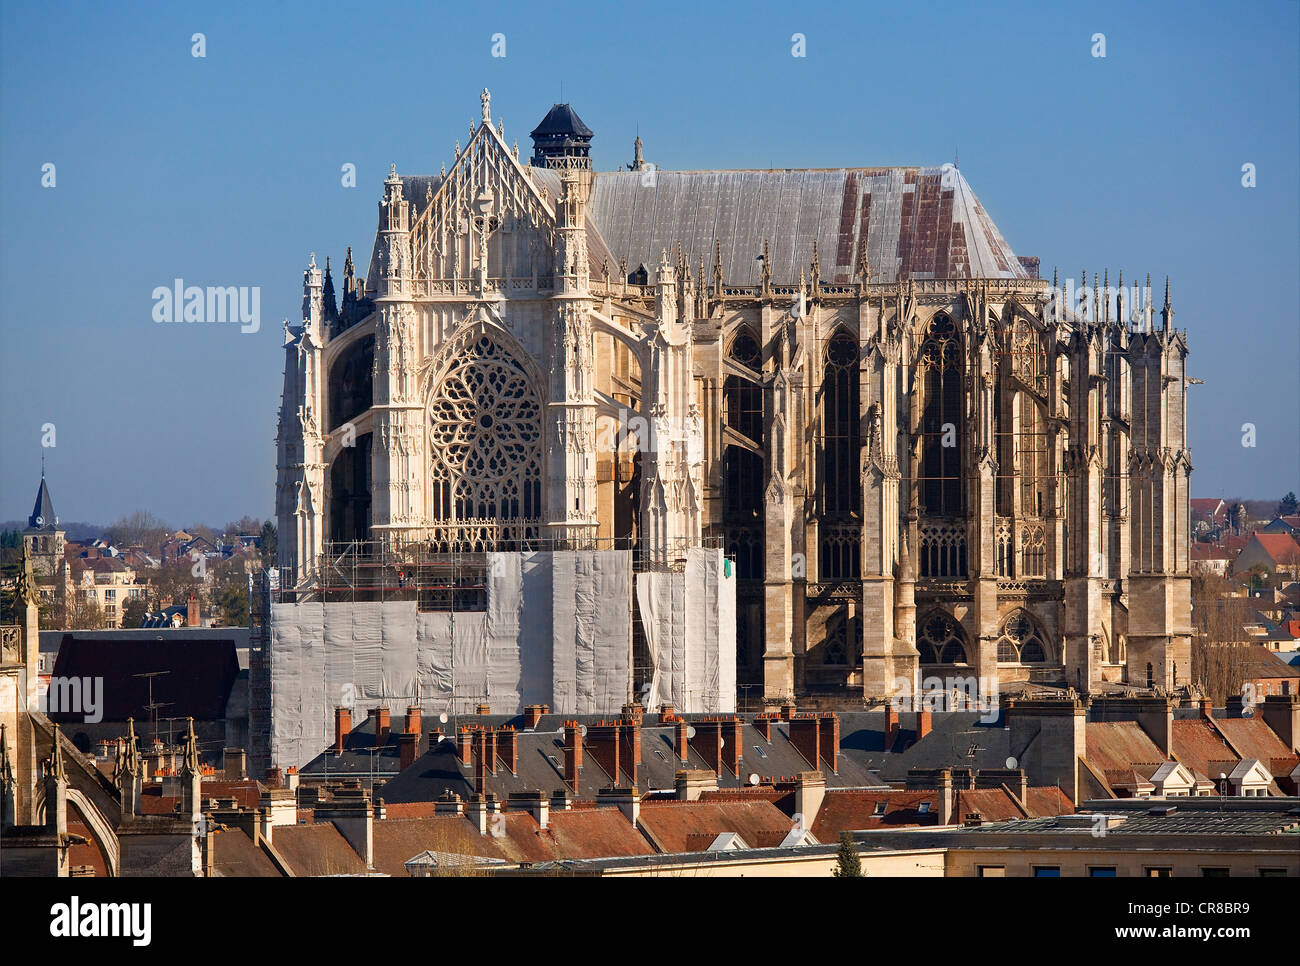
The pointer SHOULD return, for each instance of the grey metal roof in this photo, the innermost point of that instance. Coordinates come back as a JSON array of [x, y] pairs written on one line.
[[913, 222]]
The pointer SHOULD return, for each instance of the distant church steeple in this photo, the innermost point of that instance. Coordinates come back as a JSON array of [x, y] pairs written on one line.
[[43, 536]]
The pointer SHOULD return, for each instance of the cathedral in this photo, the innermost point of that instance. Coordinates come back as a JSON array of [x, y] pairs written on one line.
[[918, 458]]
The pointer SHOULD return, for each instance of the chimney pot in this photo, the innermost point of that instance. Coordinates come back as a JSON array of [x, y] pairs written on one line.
[[413, 720], [342, 728]]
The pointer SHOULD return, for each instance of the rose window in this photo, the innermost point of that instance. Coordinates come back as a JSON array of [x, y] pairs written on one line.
[[485, 434]]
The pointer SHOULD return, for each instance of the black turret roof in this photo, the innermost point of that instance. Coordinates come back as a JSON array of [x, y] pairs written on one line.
[[44, 509], [561, 119]]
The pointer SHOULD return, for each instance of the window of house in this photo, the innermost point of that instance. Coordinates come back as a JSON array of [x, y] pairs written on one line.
[[1214, 872], [1269, 873], [991, 871], [1047, 872], [1101, 871], [1159, 872], [879, 809]]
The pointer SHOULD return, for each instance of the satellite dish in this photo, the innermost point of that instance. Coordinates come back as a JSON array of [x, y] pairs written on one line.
[[753, 778], [722, 743], [690, 731], [1012, 763], [582, 730], [443, 717]]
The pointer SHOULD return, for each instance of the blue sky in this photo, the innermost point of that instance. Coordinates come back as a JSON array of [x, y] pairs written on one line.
[[225, 170]]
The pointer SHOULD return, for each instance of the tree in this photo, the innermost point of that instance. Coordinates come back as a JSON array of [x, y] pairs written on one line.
[[1288, 505], [244, 525], [847, 863], [139, 529], [232, 606], [270, 544], [134, 611]]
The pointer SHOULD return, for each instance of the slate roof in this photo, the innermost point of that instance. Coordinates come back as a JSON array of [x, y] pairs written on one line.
[[43, 509], [561, 119], [198, 682], [541, 760]]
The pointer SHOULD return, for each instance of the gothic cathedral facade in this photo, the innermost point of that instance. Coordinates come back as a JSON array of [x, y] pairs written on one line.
[[922, 459]]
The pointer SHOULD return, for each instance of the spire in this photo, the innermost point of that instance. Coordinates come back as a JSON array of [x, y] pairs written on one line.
[[190, 759], [131, 755], [1167, 313], [638, 159], [329, 307], [1105, 294], [56, 769], [1146, 306], [43, 517], [717, 268]]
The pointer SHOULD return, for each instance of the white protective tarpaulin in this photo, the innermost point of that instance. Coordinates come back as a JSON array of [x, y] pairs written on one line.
[[557, 630], [689, 619]]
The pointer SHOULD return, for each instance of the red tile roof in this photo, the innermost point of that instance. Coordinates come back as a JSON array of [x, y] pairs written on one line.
[[1280, 547], [1118, 748], [394, 841], [1253, 738], [314, 850], [681, 826], [848, 811], [1198, 746]]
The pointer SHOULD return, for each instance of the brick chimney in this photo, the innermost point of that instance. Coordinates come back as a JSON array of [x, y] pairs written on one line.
[[407, 747], [805, 735], [787, 711], [192, 613], [891, 726], [508, 749], [483, 708], [630, 749], [464, 740], [1281, 712], [411, 724], [533, 715], [707, 743], [572, 753], [604, 746], [633, 713], [381, 726], [733, 747], [1207, 708], [681, 731], [234, 763], [342, 728], [666, 714], [561, 800], [763, 725], [924, 723], [480, 762], [830, 740]]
